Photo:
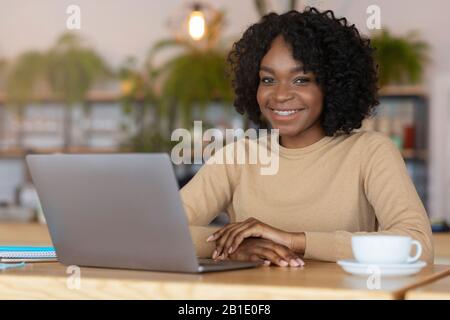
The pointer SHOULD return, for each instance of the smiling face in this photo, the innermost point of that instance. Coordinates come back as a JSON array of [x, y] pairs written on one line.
[[290, 99]]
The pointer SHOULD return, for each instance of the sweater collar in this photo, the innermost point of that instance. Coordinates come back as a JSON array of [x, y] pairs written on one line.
[[295, 152]]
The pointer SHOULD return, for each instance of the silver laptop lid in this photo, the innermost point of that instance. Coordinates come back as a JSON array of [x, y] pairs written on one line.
[[120, 211]]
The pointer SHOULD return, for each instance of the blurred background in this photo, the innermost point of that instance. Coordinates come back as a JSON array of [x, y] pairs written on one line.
[[111, 76]]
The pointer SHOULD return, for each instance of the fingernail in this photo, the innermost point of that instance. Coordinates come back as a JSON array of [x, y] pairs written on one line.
[[222, 256], [266, 262], [294, 263], [283, 263], [300, 262], [214, 254], [210, 238], [230, 250]]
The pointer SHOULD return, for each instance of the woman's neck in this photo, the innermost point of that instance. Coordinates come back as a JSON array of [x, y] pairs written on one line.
[[303, 139]]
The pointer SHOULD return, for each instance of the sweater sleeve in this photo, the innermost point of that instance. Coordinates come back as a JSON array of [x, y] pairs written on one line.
[[206, 195], [390, 191]]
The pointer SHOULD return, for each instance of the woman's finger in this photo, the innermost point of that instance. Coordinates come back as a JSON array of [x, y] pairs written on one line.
[[286, 254], [253, 230], [219, 232], [220, 242], [256, 258], [272, 256], [230, 244], [249, 257]]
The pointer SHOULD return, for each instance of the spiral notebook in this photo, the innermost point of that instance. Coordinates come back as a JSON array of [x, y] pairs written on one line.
[[27, 254]]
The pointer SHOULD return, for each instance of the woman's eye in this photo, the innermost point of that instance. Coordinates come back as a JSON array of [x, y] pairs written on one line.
[[266, 80], [301, 80]]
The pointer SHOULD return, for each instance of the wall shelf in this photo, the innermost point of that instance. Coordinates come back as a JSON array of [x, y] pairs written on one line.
[[403, 91], [403, 115], [20, 153]]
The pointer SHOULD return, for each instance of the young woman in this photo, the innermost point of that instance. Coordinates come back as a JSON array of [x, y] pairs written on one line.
[[312, 77]]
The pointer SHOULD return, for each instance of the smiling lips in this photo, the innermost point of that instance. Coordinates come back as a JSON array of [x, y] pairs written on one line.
[[285, 112]]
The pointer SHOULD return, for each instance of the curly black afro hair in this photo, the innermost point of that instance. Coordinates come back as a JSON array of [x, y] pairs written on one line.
[[341, 59]]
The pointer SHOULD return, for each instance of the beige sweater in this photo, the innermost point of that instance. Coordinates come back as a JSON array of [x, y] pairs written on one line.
[[331, 190]]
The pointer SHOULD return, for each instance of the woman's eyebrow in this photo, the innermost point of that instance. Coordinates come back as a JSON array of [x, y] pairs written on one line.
[[270, 70]]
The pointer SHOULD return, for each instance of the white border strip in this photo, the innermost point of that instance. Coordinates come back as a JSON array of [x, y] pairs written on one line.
[[439, 149]]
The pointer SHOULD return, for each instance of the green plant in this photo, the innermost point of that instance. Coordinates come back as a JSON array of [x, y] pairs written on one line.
[[26, 75], [400, 59], [3, 65], [68, 71], [177, 88], [2, 71], [261, 6], [72, 70], [138, 97], [193, 78], [148, 140]]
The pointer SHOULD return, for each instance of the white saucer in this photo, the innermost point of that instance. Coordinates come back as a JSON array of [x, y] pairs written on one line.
[[363, 269]]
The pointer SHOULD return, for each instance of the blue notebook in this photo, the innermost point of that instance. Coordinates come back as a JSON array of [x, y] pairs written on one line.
[[27, 254]]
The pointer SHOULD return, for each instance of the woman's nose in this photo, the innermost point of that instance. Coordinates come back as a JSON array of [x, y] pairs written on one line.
[[283, 93]]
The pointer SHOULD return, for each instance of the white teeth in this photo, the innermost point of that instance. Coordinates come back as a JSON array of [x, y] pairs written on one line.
[[284, 113]]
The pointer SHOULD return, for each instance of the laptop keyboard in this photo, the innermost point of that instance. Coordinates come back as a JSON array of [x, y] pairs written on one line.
[[211, 262]]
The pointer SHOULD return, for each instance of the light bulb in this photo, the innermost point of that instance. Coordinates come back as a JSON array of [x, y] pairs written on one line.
[[196, 25]]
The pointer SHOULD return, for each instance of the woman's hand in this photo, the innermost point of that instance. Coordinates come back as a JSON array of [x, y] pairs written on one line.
[[269, 252], [231, 236]]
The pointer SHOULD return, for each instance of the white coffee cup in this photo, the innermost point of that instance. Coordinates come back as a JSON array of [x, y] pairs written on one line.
[[385, 249]]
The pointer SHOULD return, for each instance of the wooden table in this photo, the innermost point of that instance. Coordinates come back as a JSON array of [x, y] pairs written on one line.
[[436, 290], [439, 289], [442, 247], [318, 280]]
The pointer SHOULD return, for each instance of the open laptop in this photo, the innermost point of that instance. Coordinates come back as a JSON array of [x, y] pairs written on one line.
[[118, 211]]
